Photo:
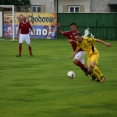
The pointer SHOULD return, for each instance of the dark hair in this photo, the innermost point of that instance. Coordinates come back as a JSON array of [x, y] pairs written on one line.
[[78, 34], [73, 24]]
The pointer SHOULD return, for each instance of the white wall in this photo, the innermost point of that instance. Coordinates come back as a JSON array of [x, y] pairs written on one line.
[[100, 6], [94, 5], [49, 4], [86, 4], [1, 25]]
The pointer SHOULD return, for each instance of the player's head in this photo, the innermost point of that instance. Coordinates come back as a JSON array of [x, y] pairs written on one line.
[[78, 37], [73, 27], [24, 18], [21, 17]]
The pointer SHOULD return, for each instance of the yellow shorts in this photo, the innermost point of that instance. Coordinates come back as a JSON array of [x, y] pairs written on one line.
[[93, 58]]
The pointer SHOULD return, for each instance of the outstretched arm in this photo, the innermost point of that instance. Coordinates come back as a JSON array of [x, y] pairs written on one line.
[[33, 32], [18, 31], [103, 42], [59, 30], [71, 40], [76, 51]]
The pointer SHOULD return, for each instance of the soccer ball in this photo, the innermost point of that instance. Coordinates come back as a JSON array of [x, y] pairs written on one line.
[[71, 74]]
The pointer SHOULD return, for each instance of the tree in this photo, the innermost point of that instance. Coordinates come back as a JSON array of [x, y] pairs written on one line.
[[15, 2]]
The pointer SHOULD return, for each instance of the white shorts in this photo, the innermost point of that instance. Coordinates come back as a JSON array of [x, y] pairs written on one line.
[[80, 56], [24, 37]]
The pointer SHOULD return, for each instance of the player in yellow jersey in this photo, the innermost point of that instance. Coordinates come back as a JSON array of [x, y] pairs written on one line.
[[87, 44]]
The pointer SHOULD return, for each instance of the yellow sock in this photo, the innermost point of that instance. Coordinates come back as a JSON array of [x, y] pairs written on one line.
[[97, 70], [96, 75]]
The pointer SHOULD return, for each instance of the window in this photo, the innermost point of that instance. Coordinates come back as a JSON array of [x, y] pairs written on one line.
[[74, 9], [36, 8], [113, 8]]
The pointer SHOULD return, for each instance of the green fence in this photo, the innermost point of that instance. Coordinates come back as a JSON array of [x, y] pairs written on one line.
[[101, 25]]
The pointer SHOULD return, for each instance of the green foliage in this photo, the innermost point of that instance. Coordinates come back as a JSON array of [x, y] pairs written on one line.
[[38, 86], [16, 2]]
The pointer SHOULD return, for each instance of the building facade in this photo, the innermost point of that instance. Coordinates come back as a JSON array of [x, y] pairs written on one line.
[[103, 5], [64, 6], [74, 6]]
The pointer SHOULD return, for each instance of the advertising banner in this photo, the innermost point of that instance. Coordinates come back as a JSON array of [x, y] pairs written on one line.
[[44, 24], [8, 24], [1, 24]]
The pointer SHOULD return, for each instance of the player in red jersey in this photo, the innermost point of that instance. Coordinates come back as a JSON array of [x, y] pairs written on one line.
[[23, 30], [79, 57]]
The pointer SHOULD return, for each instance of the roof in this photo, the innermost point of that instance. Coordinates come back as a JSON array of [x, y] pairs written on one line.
[[112, 2]]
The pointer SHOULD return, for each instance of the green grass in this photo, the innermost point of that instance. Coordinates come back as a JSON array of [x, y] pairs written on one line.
[[38, 86]]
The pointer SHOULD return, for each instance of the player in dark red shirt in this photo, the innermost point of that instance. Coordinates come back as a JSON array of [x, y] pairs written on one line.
[[71, 35], [23, 32]]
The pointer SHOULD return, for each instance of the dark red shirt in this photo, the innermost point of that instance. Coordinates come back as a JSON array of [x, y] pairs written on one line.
[[24, 27], [71, 35]]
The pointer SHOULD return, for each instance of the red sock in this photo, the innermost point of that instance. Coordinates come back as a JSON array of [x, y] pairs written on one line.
[[30, 49], [20, 49], [82, 66]]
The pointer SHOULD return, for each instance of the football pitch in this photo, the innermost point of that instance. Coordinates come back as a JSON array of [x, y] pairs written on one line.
[[38, 86]]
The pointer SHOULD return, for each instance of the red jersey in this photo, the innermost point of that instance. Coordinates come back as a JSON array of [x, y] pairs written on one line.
[[71, 35], [24, 27]]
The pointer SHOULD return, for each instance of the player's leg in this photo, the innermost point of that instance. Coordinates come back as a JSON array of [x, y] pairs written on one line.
[[88, 63], [93, 69], [21, 39], [92, 60], [97, 73], [27, 39], [79, 61], [97, 70]]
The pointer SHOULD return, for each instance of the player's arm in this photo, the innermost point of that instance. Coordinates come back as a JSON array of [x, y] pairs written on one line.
[[59, 30], [18, 31], [32, 29], [71, 40], [76, 51], [103, 42]]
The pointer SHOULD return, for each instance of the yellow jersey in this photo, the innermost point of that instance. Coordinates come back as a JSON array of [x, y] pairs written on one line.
[[87, 45]]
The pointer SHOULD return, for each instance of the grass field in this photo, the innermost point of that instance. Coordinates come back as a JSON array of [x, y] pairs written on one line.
[[38, 86]]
